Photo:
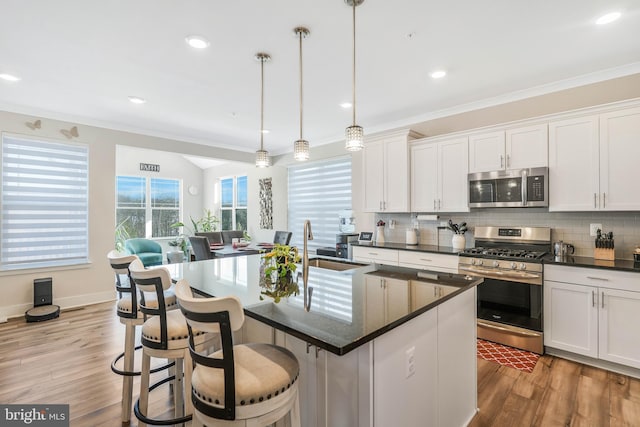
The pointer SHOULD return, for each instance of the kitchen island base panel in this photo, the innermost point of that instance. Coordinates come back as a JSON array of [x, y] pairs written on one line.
[[372, 385]]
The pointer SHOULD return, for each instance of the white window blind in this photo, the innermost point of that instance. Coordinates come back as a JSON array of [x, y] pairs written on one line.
[[45, 203], [318, 192]]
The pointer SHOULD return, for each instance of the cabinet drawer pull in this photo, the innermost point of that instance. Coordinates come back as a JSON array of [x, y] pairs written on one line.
[[373, 253], [597, 278], [593, 298], [426, 259], [602, 299]]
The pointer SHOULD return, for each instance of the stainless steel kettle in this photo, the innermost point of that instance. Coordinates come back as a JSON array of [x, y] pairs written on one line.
[[561, 249]]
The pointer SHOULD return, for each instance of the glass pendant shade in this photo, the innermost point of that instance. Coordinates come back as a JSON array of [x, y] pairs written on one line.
[[262, 159], [354, 138], [301, 150]]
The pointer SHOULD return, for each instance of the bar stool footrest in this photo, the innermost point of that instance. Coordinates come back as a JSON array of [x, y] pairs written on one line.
[[154, 422], [135, 373]]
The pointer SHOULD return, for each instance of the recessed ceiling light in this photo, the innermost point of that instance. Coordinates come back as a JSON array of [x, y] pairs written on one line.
[[608, 18], [438, 74], [9, 78], [197, 42], [346, 105], [137, 100]]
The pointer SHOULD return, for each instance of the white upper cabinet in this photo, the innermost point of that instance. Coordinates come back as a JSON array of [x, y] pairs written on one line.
[[517, 148], [573, 164], [439, 175], [386, 172], [619, 155], [592, 160]]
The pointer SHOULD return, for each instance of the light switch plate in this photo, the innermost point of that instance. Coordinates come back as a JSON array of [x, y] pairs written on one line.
[[593, 229]]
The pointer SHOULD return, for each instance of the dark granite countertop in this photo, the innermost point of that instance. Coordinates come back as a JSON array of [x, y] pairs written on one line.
[[417, 248], [581, 261], [340, 319]]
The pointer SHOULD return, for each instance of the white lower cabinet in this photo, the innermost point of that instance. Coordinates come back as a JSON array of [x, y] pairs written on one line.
[[593, 313], [375, 255], [386, 300], [428, 261]]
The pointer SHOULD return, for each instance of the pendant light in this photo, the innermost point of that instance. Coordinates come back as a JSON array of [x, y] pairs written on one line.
[[354, 134], [301, 146], [262, 156]]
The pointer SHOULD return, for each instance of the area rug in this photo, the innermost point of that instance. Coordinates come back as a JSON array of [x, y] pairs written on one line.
[[507, 356]]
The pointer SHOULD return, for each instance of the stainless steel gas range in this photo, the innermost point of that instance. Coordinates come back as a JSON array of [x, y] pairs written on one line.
[[510, 299]]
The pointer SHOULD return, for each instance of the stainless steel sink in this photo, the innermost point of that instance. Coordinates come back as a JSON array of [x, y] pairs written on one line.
[[334, 265]]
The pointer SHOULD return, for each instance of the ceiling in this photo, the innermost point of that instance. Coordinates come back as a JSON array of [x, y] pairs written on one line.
[[80, 60]]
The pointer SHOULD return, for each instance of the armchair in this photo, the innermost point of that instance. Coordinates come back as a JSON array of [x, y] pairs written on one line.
[[149, 252]]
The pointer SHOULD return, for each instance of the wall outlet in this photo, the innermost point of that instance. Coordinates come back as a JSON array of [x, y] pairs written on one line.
[[410, 362], [593, 229], [392, 224]]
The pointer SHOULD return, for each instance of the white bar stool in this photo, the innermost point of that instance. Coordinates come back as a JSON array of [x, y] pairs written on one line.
[[164, 335], [239, 385]]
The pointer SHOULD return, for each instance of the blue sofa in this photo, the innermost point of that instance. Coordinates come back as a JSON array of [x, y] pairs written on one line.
[[149, 252]]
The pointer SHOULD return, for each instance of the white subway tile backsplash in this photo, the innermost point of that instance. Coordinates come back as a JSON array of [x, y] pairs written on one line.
[[571, 227]]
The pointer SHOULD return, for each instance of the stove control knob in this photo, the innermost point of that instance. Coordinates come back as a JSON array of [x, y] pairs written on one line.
[[473, 261], [479, 262], [523, 266], [514, 265], [496, 264]]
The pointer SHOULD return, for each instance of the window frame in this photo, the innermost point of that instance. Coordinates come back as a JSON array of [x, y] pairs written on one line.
[[148, 206], [235, 206]]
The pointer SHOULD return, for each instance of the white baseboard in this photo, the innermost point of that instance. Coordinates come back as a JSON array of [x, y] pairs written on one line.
[[18, 310], [602, 364]]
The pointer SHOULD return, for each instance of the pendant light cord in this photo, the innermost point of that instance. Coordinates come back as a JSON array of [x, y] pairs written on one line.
[[262, 103], [354, 63], [300, 34]]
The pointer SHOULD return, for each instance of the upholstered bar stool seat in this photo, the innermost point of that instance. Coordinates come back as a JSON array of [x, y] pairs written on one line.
[[125, 305], [263, 373]]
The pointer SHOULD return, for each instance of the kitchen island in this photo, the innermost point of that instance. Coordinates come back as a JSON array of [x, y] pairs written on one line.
[[381, 345]]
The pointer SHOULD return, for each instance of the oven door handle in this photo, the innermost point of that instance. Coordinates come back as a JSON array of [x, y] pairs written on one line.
[[518, 332], [500, 274]]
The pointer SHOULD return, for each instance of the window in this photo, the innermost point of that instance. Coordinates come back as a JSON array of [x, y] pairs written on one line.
[[234, 203], [149, 205], [317, 192], [45, 203]]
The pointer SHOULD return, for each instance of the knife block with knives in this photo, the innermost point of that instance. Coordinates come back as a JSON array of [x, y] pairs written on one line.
[[605, 246]]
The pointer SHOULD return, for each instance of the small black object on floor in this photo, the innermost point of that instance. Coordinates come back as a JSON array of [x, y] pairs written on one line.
[[43, 308]]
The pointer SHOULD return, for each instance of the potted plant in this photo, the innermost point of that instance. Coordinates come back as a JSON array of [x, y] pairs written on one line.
[[458, 240], [206, 223], [277, 273], [122, 234], [177, 255]]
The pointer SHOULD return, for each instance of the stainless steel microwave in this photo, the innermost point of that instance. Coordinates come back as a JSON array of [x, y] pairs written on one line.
[[516, 188]]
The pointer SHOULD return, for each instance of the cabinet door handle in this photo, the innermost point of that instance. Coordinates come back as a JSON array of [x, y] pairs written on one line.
[[308, 347], [439, 204], [434, 204], [593, 298], [604, 200], [508, 160], [598, 278], [595, 198], [602, 299], [501, 161], [317, 351]]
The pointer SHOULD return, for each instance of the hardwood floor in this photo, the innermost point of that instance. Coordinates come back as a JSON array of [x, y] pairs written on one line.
[[67, 360]]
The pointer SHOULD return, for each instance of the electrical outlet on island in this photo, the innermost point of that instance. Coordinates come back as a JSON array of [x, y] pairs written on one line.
[[593, 229]]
